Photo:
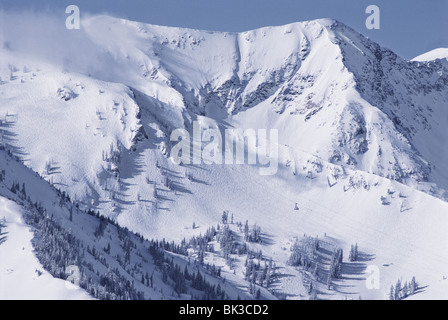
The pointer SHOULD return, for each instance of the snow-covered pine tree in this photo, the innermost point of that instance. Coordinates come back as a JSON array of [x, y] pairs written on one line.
[[257, 294], [353, 256], [310, 288], [413, 286], [397, 290], [405, 290], [225, 216], [391, 293]]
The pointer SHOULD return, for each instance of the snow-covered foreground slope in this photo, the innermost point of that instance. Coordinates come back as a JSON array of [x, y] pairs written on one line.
[[50, 249], [361, 139], [22, 275]]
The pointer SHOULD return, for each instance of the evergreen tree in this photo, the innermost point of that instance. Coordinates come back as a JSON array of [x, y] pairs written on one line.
[[310, 288], [405, 290], [329, 283], [413, 286], [186, 273], [268, 275], [391, 293], [107, 249], [336, 264], [258, 294], [398, 290], [13, 188], [315, 271], [353, 256], [225, 216]]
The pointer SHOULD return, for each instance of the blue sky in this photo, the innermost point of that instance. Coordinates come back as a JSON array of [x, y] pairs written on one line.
[[409, 27]]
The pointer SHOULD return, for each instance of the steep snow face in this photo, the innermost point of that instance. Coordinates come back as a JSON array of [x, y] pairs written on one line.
[[412, 95], [202, 70]]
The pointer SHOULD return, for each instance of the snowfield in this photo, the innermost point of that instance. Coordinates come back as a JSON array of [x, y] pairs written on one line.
[[440, 53], [362, 158]]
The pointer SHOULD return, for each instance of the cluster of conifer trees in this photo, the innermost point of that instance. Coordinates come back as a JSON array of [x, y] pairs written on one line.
[[403, 290]]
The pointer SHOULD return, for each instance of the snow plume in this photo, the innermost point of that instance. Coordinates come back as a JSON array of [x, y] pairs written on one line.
[[45, 37]]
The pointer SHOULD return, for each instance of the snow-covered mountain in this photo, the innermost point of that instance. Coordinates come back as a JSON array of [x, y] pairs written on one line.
[[361, 141], [439, 53]]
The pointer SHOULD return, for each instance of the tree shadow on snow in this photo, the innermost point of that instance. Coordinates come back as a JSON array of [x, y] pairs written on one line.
[[3, 238], [267, 239], [353, 271]]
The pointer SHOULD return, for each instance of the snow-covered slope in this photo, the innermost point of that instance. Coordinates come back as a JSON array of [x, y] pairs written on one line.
[[51, 249], [22, 275], [439, 53], [362, 138], [364, 106]]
